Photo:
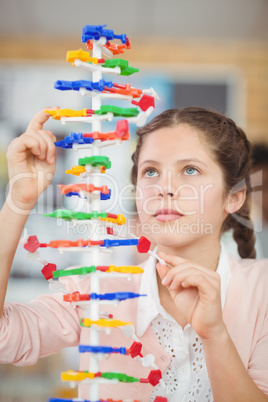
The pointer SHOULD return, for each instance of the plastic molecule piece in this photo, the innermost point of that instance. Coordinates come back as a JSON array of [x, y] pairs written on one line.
[[135, 350], [103, 322], [101, 349], [83, 56], [48, 270], [76, 271], [119, 376], [65, 189], [73, 138], [33, 244], [126, 90], [116, 243], [76, 170], [118, 111], [143, 245], [68, 215], [114, 48], [153, 378], [123, 64], [160, 399], [76, 85], [95, 161], [145, 102], [59, 113], [77, 297], [96, 31]]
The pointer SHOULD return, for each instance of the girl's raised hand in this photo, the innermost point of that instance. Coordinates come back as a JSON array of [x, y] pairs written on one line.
[[195, 291], [31, 161]]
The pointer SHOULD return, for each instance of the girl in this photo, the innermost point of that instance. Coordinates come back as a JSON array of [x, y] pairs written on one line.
[[205, 317]]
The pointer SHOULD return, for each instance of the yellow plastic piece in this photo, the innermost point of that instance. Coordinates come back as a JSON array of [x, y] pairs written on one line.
[[121, 220], [102, 169], [58, 113], [81, 55], [125, 270], [105, 322], [72, 375], [76, 170]]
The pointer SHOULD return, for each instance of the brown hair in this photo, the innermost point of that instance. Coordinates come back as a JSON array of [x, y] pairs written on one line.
[[232, 151]]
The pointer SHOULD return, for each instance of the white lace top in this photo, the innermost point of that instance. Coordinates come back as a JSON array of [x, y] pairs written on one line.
[[186, 378]]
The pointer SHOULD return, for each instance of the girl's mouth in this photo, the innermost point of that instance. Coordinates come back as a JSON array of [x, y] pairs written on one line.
[[165, 215]]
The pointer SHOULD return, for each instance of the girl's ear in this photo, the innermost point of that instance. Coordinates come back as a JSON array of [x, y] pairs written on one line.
[[235, 201]]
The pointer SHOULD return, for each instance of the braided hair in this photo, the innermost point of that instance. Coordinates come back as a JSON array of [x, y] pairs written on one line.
[[230, 148]]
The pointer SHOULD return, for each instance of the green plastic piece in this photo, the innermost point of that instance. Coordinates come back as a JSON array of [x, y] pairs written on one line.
[[95, 161], [68, 215], [119, 376], [123, 64], [118, 111], [75, 271]]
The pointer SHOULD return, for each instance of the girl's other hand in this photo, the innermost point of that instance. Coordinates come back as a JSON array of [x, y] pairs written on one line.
[[195, 291], [31, 160]]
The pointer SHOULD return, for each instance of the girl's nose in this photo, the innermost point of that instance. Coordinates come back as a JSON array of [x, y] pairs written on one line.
[[168, 194]]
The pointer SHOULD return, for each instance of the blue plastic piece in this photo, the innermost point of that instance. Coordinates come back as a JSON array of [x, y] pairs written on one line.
[[70, 400], [123, 242], [76, 85], [96, 31], [115, 296], [101, 349], [73, 138]]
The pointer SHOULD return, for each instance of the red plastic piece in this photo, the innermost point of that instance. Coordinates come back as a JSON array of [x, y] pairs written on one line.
[[145, 102], [160, 399], [102, 268], [109, 231], [144, 245], [32, 244], [135, 350], [48, 270], [153, 378], [76, 296], [122, 129]]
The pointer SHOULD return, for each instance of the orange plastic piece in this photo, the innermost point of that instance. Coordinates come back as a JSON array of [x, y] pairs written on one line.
[[124, 90], [76, 170], [96, 135], [65, 189], [58, 113], [113, 47], [81, 55], [76, 243]]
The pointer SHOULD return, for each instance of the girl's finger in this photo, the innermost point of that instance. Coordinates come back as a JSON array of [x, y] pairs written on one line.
[[171, 259], [181, 263], [162, 270], [175, 277], [23, 144], [50, 146]]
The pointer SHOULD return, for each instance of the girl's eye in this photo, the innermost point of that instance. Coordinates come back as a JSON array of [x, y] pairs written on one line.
[[191, 171], [150, 172]]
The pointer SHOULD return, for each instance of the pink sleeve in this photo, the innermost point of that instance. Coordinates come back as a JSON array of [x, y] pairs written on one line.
[[258, 364], [40, 328]]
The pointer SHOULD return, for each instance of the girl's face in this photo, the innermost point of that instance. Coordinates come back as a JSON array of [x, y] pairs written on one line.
[[180, 190]]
